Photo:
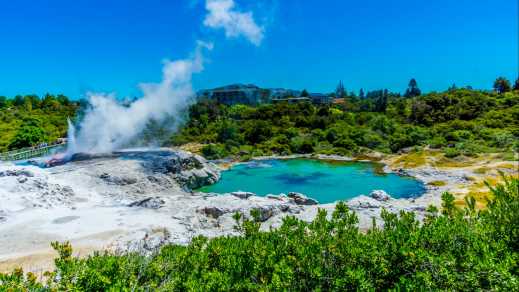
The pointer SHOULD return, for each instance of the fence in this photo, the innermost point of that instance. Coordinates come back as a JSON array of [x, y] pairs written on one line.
[[32, 152]]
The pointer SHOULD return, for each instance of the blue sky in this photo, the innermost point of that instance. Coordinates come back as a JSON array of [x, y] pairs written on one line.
[[72, 47]]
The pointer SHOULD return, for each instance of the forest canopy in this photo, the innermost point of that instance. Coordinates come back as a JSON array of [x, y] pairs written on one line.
[[29, 120], [457, 121]]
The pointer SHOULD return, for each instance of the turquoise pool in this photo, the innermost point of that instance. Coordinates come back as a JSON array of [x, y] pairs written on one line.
[[322, 180]]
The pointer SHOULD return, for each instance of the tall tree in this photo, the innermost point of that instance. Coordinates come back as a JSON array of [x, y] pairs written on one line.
[[362, 94], [340, 92], [412, 89], [305, 93], [3, 101], [502, 85], [516, 84], [381, 101]]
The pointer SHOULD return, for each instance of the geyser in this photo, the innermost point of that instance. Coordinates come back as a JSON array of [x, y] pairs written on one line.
[[108, 125]]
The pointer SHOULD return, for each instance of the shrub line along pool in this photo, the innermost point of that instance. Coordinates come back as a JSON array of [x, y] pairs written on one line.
[[325, 181]]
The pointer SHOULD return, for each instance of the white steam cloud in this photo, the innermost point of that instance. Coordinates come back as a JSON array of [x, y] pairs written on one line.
[[223, 15], [109, 125]]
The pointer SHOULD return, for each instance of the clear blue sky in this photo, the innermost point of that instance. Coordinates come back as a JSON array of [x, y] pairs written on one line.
[[71, 47]]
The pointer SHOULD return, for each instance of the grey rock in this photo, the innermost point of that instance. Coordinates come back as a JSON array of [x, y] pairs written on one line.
[[301, 199], [380, 195], [16, 172], [213, 212], [265, 212], [243, 195], [197, 178], [116, 180], [150, 203], [284, 208], [363, 202], [63, 220], [281, 197]]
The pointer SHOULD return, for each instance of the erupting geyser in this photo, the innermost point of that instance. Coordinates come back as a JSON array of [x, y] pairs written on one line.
[[108, 125]]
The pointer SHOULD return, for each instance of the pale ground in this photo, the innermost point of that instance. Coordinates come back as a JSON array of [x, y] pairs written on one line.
[[73, 202]]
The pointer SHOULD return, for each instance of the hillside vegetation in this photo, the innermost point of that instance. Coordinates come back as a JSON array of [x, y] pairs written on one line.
[[458, 121], [453, 249], [28, 120]]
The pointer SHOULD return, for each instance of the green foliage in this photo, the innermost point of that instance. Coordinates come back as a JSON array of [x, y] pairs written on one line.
[[502, 85], [31, 133], [412, 89], [468, 120], [455, 249], [28, 120], [214, 151]]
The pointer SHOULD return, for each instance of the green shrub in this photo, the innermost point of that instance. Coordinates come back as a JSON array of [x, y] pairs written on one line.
[[455, 250], [214, 151], [451, 152]]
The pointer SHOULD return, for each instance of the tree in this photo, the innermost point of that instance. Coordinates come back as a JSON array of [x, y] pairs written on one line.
[[381, 102], [412, 89], [3, 102], [18, 101], [305, 93], [502, 85], [340, 92], [453, 87], [516, 84], [30, 134], [362, 94]]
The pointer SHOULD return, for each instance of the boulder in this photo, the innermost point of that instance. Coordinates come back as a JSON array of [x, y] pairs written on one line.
[[243, 195], [380, 195], [17, 172], [281, 197], [150, 203], [116, 180], [363, 202], [214, 212], [196, 178], [265, 212], [301, 199]]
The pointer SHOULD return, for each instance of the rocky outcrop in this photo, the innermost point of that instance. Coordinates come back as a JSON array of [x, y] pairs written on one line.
[[189, 170], [380, 195], [16, 172], [265, 212], [243, 195], [118, 180], [214, 212], [364, 202], [301, 199], [150, 203]]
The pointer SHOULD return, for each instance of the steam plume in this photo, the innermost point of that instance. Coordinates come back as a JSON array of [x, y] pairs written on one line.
[[108, 125], [222, 15]]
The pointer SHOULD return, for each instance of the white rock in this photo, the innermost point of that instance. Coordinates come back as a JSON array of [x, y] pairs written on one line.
[[243, 195], [380, 195]]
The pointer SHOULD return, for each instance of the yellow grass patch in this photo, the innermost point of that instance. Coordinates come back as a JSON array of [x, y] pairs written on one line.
[[437, 183], [481, 170], [192, 147], [453, 162], [412, 160]]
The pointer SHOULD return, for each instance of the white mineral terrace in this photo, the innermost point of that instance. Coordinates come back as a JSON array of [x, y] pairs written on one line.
[[141, 201]]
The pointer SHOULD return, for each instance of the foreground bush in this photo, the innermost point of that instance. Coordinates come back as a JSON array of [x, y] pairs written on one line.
[[452, 250]]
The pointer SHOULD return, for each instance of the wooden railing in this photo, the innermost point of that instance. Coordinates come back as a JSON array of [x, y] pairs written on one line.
[[27, 153]]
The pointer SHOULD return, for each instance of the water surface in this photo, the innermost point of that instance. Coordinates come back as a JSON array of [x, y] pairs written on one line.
[[324, 181]]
